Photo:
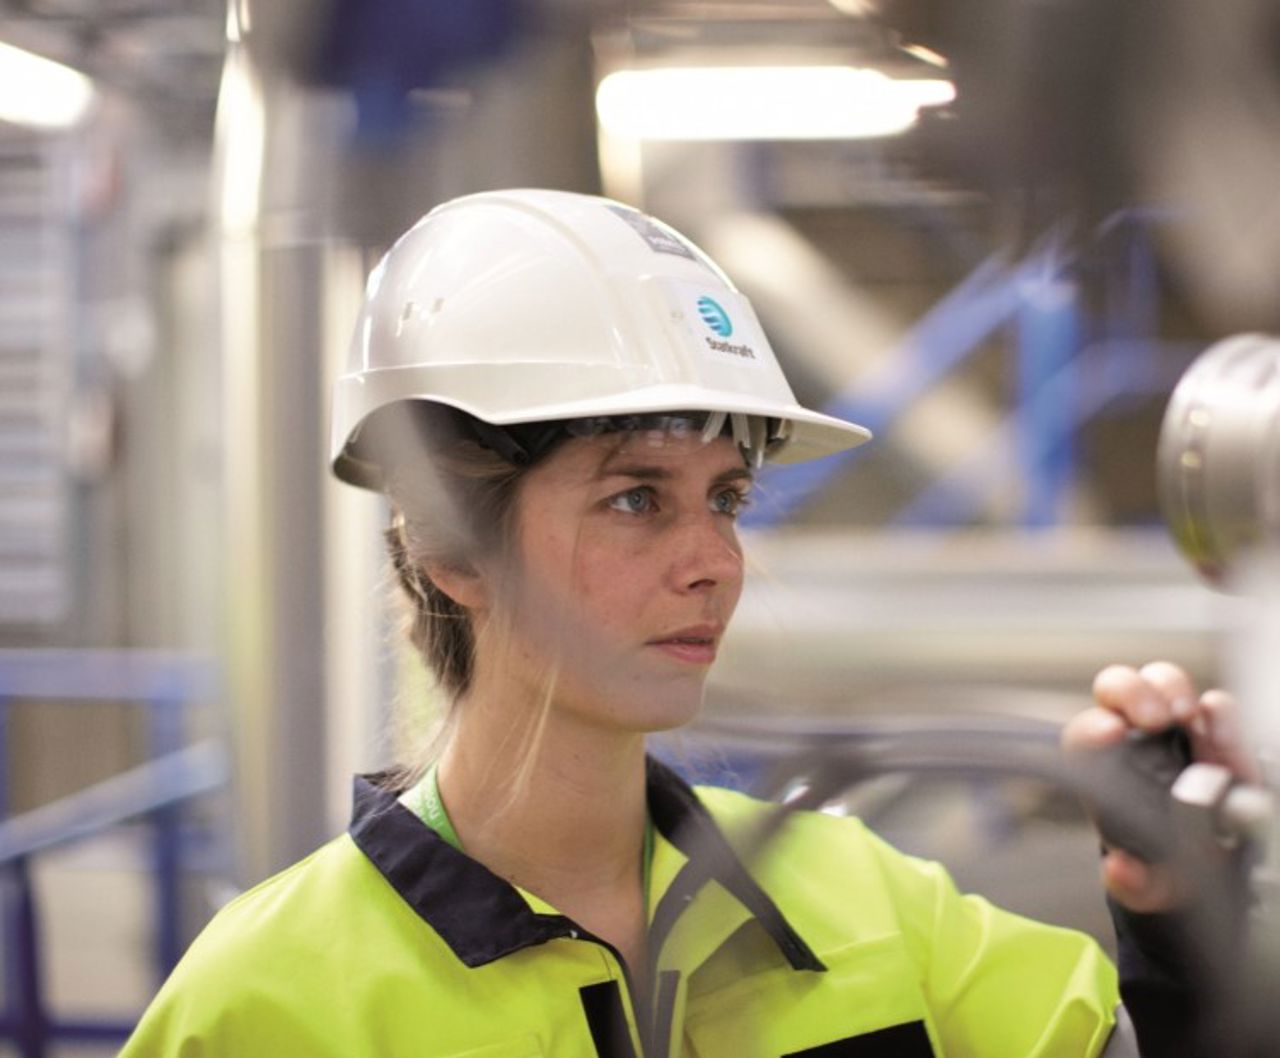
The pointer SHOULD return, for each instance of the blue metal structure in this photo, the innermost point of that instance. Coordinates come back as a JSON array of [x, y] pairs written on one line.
[[1069, 369], [165, 685], [1048, 336], [382, 50], [940, 341]]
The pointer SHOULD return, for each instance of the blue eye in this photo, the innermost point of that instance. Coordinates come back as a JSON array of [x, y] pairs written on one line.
[[634, 501], [729, 501]]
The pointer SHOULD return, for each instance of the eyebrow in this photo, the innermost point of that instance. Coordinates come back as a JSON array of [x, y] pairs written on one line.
[[649, 472]]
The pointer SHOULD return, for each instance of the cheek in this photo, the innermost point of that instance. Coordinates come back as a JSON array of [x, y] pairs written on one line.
[[610, 576], [571, 588], [733, 592], [590, 601]]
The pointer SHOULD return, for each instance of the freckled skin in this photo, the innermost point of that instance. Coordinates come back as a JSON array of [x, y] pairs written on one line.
[[625, 570], [608, 562]]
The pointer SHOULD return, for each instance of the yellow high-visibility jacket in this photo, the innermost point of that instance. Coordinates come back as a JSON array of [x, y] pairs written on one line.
[[389, 941]]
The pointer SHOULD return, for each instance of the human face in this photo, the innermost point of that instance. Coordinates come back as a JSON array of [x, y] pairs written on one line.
[[628, 570]]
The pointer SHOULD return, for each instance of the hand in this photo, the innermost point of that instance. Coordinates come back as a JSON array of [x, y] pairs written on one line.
[[1151, 699]]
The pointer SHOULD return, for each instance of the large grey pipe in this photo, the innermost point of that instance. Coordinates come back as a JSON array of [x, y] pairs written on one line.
[[271, 289], [1219, 456]]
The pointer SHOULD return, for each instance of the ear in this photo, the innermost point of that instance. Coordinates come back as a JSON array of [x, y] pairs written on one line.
[[463, 584]]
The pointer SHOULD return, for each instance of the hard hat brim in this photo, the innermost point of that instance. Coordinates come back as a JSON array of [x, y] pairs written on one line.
[[811, 434]]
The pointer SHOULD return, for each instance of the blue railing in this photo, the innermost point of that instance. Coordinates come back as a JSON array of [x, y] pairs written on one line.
[[164, 685], [1071, 366]]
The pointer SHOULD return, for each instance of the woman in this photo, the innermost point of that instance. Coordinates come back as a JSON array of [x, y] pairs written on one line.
[[565, 402]]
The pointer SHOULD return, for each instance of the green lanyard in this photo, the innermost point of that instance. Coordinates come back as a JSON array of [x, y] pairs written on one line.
[[423, 800]]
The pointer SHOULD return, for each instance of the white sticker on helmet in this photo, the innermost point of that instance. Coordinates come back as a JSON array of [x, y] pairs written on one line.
[[718, 324], [660, 239]]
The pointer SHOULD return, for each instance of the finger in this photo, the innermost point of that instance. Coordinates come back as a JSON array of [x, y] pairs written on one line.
[[1139, 886], [1174, 685], [1122, 689], [1092, 728], [1219, 738]]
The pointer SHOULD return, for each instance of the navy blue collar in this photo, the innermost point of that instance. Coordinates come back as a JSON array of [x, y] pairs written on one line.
[[482, 917]]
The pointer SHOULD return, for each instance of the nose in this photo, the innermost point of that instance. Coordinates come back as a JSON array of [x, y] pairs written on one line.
[[708, 555]]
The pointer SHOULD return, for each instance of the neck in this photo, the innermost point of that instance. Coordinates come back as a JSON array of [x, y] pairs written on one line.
[[564, 819]]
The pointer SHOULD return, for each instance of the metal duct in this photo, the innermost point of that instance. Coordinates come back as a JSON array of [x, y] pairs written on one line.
[[272, 293]]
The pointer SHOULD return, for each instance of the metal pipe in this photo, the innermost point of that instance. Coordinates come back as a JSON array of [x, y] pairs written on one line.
[[272, 294]]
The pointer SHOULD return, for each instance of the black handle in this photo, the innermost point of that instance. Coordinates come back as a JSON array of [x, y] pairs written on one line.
[[1156, 760]]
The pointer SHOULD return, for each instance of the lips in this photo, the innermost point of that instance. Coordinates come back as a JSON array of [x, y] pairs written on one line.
[[695, 645]]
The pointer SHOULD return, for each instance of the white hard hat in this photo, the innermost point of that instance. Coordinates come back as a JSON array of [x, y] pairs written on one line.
[[528, 306]]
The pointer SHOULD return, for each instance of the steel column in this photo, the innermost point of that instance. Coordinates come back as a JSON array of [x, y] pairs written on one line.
[[1048, 337]]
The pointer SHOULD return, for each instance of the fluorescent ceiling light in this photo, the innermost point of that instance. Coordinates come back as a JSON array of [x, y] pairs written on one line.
[[855, 8], [39, 91], [762, 102]]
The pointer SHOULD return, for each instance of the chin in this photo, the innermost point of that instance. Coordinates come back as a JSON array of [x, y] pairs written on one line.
[[664, 707], [675, 709]]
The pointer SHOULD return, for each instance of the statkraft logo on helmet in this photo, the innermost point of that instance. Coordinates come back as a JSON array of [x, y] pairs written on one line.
[[714, 316], [717, 320]]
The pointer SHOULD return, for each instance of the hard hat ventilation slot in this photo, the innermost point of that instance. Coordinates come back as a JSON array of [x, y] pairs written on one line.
[[715, 423]]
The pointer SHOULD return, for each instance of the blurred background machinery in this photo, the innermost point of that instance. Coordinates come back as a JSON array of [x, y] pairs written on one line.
[[997, 232]]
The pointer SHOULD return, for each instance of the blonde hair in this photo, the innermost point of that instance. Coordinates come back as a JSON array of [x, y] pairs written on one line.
[[454, 504], [453, 508]]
